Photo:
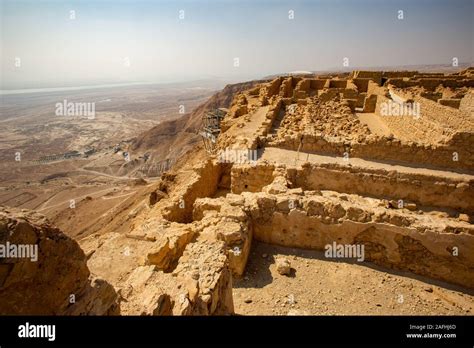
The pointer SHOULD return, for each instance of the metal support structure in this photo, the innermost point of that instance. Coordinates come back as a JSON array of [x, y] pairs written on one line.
[[211, 128]]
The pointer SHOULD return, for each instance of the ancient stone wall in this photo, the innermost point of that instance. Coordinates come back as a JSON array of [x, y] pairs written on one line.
[[375, 76], [391, 239], [455, 155], [466, 105], [430, 84], [415, 127], [441, 116], [422, 189], [203, 182], [251, 178]]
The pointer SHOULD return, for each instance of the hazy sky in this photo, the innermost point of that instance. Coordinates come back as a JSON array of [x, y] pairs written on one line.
[[120, 41]]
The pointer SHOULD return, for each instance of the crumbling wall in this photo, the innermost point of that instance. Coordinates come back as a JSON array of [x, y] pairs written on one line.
[[337, 83], [251, 178], [225, 220], [391, 238], [422, 189], [268, 90], [412, 127], [272, 113], [399, 74], [467, 105], [456, 154], [430, 84], [204, 271], [440, 115], [362, 84], [137, 265], [375, 76], [317, 84], [203, 181], [286, 88], [313, 143]]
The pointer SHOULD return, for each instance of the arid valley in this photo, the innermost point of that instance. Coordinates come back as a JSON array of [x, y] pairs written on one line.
[[51, 161]]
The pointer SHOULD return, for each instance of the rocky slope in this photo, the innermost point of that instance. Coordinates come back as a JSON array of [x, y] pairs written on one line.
[[171, 139], [44, 272]]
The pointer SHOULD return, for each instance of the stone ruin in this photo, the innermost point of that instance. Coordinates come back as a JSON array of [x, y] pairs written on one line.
[[331, 167]]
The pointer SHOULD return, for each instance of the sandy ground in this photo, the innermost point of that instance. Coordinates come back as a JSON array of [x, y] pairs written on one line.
[[321, 287], [374, 123]]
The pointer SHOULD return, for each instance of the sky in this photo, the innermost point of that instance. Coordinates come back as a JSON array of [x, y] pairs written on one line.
[[45, 44]]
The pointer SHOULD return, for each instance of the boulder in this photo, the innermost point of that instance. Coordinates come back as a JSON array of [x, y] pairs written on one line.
[[44, 272]]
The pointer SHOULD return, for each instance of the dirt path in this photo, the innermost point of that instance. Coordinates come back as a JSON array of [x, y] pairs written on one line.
[[321, 287], [77, 199], [245, 133], [277, 122], [123, 177]]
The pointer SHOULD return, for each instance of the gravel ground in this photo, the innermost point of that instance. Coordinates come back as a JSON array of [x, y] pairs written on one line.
[[317, 286]]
